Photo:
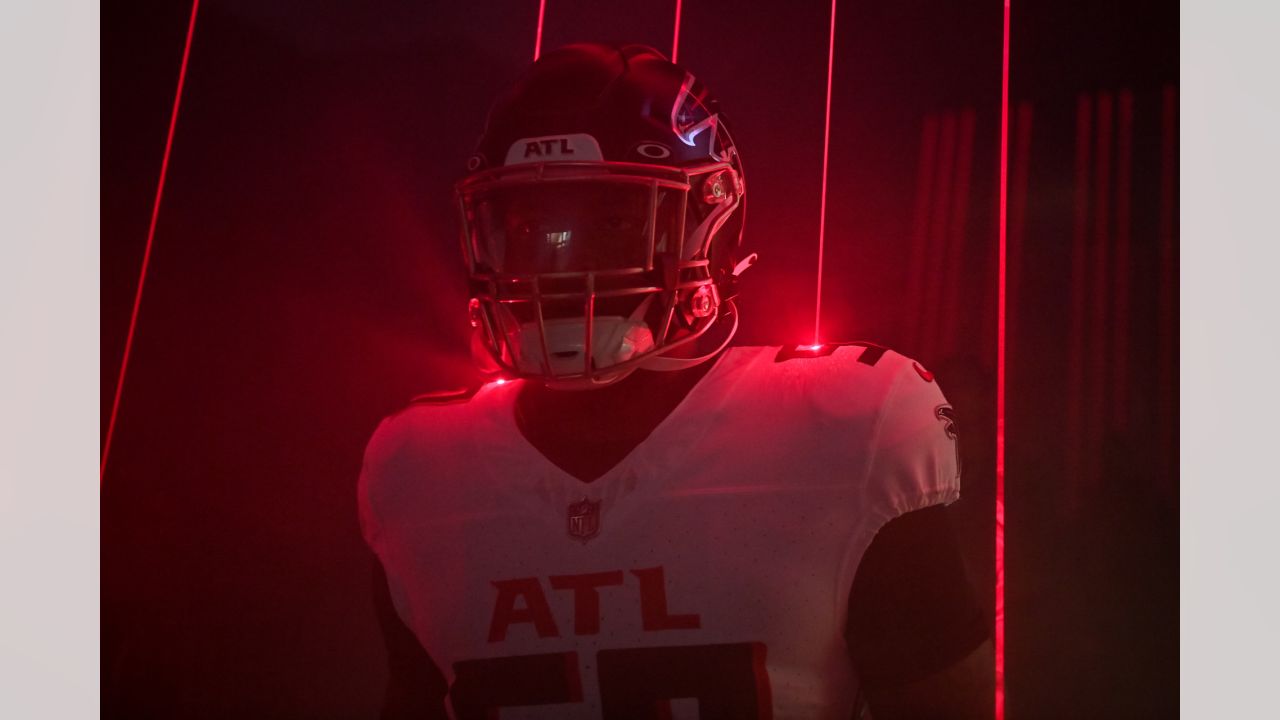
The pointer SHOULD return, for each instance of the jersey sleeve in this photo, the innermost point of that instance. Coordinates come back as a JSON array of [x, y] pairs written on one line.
[[377, 488], [383, 511], [399, 459], [912, 610], [416, 688], [914, 453]]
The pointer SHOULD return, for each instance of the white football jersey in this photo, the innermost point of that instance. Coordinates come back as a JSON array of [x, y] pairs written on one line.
[[707, 574]]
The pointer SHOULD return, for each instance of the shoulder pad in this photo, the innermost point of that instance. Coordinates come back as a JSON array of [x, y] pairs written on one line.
[[870, 356], [446, 397]]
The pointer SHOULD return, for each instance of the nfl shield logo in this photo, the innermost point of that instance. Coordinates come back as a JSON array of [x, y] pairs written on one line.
[[584, 519]]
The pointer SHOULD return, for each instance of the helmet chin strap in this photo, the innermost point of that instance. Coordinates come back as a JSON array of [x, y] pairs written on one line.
[[667, 364], [657, 364], [670, 364]]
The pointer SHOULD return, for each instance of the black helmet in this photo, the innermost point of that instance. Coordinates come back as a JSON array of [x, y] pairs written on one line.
[[602, 217]]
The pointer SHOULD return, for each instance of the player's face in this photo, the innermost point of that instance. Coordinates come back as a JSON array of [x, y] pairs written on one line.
[[567, 227], [585, 228]]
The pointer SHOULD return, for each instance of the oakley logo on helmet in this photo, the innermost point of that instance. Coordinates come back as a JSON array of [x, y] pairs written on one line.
[[656, 151], [554, 148]]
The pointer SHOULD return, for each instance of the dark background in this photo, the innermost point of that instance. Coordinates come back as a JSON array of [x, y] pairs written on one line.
[[305, 282]]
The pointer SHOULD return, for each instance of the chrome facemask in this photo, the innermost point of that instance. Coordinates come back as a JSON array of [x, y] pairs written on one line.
[[606, 256]]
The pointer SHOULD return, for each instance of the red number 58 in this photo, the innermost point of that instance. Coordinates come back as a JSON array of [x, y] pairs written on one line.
[[728, 681]]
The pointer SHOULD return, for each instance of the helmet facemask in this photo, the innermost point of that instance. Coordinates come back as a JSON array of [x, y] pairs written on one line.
[[582, 272]]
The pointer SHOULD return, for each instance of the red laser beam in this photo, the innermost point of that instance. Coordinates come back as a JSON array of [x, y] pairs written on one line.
[[675, 36], [822, 203], [537, 40], [1000, 370], [146, 253]]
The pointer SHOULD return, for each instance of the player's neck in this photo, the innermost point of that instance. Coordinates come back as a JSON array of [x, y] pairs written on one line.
[[587, 432]]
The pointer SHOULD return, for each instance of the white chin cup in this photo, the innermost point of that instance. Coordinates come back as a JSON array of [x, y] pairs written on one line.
[[615, 339]]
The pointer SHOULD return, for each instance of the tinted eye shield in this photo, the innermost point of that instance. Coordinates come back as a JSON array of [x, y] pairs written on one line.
[[571, 226], [558, 217]]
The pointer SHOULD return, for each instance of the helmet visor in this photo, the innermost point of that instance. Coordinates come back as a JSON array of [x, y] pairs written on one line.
[[571, 226]]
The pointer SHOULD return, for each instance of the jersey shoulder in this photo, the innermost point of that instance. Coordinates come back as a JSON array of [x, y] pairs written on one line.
[[416, 455], [865, 374], [897, 389], [428, 419], [849, 355], [870, 401], [868, 353], [850, 392]]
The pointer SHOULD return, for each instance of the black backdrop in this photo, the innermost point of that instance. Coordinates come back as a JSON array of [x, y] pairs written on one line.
[[304, 283]]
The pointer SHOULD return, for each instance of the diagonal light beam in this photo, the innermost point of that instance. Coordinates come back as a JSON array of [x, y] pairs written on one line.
[[537, 40], [146, 253], [822, 203]]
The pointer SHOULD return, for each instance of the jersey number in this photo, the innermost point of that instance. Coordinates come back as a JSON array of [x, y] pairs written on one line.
[[728, 681]]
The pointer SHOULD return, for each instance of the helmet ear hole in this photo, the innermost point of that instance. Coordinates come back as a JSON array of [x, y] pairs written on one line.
[[716, 189]]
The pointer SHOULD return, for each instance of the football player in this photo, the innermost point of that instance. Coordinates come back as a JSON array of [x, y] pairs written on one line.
[[634, 519]]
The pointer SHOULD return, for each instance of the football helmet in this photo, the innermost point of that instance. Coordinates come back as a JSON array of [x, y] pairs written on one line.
[[602, 219]]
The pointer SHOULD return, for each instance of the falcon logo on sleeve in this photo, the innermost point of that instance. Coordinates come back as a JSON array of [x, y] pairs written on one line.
[[947, 415]]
